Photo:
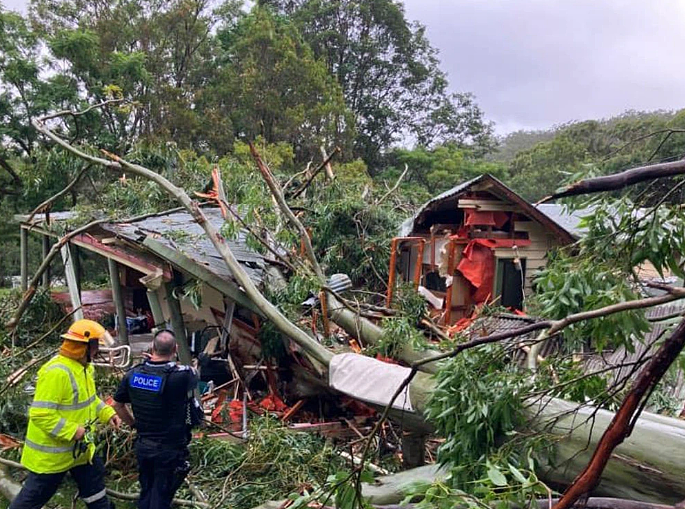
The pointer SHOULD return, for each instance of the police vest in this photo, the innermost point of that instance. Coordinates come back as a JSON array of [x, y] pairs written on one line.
[[158, 416]]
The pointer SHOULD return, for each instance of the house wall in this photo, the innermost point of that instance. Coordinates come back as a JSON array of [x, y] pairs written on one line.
[[540, 241]]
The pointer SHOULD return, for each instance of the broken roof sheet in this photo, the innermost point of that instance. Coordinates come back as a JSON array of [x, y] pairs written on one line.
[[180, 232]]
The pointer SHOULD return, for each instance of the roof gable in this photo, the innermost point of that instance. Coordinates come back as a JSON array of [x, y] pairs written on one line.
[[497, 188]]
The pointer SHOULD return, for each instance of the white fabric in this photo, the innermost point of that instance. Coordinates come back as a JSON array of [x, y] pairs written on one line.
[[369, 380]]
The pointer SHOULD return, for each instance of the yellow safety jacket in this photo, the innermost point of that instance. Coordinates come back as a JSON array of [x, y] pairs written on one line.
[[65, 399]]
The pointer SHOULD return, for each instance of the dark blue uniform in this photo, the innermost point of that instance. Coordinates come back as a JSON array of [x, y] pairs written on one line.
[[160, 394]]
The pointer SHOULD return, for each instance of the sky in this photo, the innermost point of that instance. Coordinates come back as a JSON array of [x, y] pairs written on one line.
[[533, 64]]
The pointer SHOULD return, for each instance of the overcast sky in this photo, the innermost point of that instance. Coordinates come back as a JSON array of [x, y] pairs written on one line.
[[536, 63]]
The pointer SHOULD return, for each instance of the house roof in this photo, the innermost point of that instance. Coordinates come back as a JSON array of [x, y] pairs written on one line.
[[179, 232], [569, 220], [498, 189]]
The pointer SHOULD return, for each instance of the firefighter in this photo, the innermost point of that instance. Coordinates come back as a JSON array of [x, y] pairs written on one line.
[[64, 411], [160, 393]]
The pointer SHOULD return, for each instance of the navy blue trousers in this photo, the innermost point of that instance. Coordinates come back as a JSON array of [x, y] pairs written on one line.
[[90, 479], [161, 471]]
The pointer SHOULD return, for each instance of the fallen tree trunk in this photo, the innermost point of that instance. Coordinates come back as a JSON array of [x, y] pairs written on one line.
[[648, 466], [622, 424], [369, 333]]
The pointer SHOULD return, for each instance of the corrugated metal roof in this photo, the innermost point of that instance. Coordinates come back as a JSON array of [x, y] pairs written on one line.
[[40, 218], [180, 232], [642, 348], [501, 322], [407, 226], [568, 220]]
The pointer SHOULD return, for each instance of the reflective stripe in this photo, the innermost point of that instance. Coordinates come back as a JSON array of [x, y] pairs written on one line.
[[74, 385], [58, 427], [59, 406], [47, 448], [100, 406], [97, 496]]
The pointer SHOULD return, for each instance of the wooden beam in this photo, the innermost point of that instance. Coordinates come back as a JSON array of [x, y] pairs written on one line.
[[71, 281], [24, 260], [185, 264], [118, 298], [121, 255], [156, 308], [45, 250], [177, 325]]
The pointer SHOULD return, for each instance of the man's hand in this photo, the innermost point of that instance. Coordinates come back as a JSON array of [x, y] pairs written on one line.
[[115, 421], [80, 433]]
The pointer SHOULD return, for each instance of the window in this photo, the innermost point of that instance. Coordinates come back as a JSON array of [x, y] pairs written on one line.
[[510, 282]]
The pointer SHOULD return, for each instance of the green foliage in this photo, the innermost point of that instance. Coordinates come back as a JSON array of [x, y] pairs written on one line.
[[352, 237], [503, 485], [633, 235], [397, 333], [478, 400], [443, 167], [154, 54], [613, 145], [478, 406], [340, 488], [290, 298], [264, 56], [193, 292], [389, 75], [402, 329], [272, 342], [273, 463], [619, 238], [570, 285], [41, 314], [410, 303]]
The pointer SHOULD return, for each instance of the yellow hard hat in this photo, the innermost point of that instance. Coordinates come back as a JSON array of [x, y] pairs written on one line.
[[85, 330]]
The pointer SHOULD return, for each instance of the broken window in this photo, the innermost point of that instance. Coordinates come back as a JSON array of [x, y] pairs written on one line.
[[510, 281]]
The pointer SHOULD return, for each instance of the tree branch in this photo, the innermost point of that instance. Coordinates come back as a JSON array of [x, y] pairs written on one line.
[[621, 425], [47, 203], [311, 346], [8, 168], [397, 184], [305, 185], [280, 200], [76, 114], [620, 180]]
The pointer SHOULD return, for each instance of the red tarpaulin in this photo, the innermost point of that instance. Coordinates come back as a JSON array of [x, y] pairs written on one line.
[[478, 264]]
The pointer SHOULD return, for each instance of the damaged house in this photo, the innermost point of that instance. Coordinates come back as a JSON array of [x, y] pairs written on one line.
[[163, 272], [477, 242]]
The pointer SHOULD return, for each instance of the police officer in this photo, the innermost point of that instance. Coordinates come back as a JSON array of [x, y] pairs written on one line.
[[65, 408], [161, 396]]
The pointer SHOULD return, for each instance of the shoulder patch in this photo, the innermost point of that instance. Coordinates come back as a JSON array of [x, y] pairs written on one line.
[[146, 382]]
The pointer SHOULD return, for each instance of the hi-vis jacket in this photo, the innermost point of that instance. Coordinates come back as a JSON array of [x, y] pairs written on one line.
[[65, 399]]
